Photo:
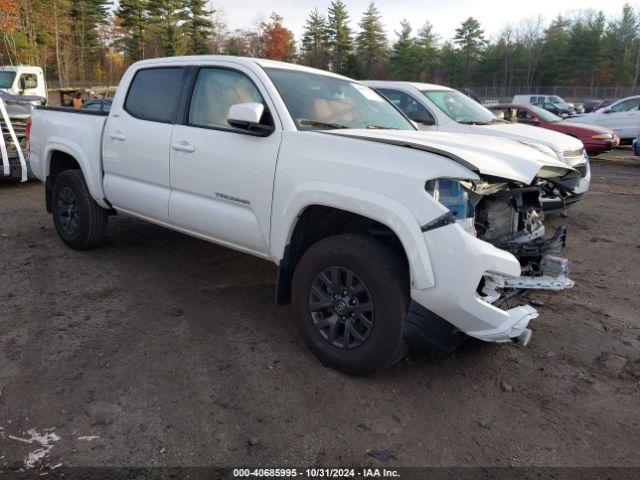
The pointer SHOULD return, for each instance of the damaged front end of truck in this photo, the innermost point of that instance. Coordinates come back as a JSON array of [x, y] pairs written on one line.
[[509, 216]]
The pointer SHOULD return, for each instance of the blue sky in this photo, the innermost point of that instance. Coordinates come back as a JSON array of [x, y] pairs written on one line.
[[444, 15]]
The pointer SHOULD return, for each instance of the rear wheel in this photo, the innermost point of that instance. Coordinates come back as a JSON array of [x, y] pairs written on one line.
[[350, 296], [79, 220]]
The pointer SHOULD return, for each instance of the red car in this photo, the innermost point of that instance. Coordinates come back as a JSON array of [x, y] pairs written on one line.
[[596, 139]]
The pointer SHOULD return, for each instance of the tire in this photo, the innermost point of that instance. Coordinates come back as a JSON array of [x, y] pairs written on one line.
[[79, 220], [381, 283]]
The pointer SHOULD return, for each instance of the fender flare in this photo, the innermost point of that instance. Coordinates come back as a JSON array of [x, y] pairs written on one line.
[[362, 202], [92, 178]]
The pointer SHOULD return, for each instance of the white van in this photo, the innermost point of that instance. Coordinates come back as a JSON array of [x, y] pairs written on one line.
[[532, 99], [23, 80], [434, 107]]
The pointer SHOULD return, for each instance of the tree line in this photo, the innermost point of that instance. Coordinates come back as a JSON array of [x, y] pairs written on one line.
[[93, 41]]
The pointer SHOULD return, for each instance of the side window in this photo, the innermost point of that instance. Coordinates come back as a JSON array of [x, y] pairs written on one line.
[[393, 96], [409, 105], [154, 94], [524, 116], [533, 100], [215, 91], [95, 106], [29, 80], [626, 106]]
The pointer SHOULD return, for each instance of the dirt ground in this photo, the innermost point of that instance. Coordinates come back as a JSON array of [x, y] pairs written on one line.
[[160, 349]]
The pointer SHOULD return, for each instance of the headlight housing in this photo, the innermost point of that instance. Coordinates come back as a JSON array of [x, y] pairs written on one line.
[[542, 148], [602, 136], [452, 194]]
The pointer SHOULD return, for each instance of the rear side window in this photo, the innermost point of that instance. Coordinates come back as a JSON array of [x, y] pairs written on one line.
[[627, 105], [154, 94]]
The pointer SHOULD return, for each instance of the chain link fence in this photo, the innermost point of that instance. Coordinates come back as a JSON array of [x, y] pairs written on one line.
[[568, 93]]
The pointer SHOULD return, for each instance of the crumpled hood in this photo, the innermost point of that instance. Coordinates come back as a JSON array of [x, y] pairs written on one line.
[[556, 140], [483, 154]]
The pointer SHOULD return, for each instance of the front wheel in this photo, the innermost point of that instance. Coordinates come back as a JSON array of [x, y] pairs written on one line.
[[79, 220], [350, 297]]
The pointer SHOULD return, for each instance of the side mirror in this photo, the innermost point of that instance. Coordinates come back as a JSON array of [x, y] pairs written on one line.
[[246, 116], [421, 118], [606, 110]]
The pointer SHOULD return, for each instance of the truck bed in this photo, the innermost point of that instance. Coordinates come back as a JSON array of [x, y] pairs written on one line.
[[77, 133]]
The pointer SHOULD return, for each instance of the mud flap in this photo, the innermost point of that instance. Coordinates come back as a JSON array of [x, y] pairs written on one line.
[[429, 332]]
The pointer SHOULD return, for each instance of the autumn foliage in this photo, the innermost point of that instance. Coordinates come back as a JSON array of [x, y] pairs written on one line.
[[278, 42], [9, 15]]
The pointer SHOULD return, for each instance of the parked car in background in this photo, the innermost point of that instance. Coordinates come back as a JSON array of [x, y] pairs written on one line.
[[623, 117], [591, 105], [596, 140], [602, 104], [541, 99], [381, 233], [554, 108], [97, 104], [439, 108]]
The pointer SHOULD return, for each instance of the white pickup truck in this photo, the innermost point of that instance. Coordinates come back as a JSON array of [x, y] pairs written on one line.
[[382, 234]]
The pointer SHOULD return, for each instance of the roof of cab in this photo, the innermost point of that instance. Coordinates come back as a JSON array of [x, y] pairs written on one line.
[[418, 85], [246, 61]]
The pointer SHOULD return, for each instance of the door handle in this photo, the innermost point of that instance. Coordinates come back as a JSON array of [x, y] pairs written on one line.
[[117, 136], [183, 147]]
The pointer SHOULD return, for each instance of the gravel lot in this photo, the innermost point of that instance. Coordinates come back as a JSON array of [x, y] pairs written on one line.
[[160, 349]]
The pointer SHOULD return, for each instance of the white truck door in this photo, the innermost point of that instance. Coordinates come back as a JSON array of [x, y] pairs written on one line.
[[222, 177], [136, 143], [622, 117]]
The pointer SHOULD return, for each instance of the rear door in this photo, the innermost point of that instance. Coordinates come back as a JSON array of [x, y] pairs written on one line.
[[221, 176], [137, 140], [622, 117]]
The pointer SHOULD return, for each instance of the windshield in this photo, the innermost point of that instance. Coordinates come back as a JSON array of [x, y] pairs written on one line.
[[6, 79], [459, 107], [322, 102], [545, 115]]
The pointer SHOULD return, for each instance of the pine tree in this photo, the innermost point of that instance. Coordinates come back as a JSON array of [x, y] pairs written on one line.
[[586, 47], [166, 16], [133, 19], [86, 16], [470, 38], [427, 42], [620, 45], [198, 26], [554, 64], [315, 41], [451, 65], [405, 61], [371, 41], [339, 34]]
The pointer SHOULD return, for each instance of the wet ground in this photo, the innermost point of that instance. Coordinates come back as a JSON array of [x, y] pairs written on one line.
[[160, 349]]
